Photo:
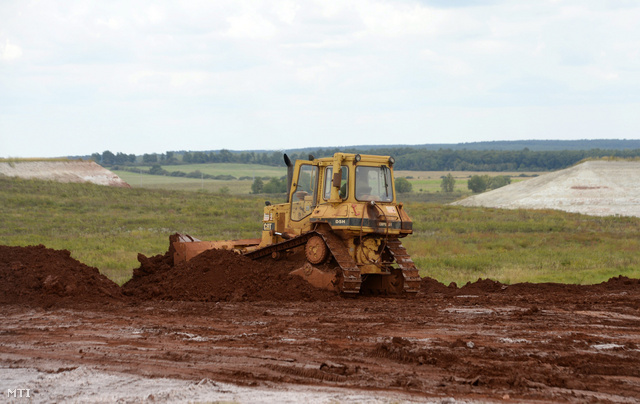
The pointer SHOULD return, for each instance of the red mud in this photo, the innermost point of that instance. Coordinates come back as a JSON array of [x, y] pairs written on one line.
[[44, 277], [218, 276], [229, 319]]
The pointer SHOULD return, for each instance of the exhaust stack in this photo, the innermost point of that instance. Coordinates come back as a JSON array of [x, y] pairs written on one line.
[[289, 164]]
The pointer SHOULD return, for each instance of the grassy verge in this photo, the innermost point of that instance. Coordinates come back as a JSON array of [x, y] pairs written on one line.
[[107, 227]]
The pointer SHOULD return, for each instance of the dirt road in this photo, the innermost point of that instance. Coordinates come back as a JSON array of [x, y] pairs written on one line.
[[520, 343], [480, 342]]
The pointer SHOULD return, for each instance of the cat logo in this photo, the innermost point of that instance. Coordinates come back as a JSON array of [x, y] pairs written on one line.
[[267, 226]]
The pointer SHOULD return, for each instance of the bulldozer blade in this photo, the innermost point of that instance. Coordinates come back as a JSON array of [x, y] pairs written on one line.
[[316, 277], [185, 247]]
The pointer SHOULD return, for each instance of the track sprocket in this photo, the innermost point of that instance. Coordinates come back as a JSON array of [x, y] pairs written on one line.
[[316, 250]]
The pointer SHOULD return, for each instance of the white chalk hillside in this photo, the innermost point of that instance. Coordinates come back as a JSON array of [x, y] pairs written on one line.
[[62, 171], [598, 188]]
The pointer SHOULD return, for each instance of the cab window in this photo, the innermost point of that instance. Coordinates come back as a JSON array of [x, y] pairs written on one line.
[[374, 184], [344, 182], [304, 196]]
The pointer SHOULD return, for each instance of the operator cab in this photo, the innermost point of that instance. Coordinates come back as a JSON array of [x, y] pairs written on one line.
[[373, 183], [351, 178]]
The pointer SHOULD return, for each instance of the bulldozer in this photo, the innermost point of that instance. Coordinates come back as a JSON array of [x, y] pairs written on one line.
[[342, 212]]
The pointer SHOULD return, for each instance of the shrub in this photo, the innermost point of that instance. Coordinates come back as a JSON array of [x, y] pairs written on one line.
[[448, 183], [478, 183], [224, 177], [403, 185], [256, 187], [275, 186], [195, 174], [499, 181], [156, 169]]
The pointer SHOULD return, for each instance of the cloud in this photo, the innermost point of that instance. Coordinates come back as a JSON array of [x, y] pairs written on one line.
[[250, 25], [10, 52], [262, 74]]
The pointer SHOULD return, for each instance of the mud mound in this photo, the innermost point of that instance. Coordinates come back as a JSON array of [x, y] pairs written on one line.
[[620, 288], [612, 286], [598, 188], [43, 277], [483, 286], [63, 171], [430, 285], [218, 275], [480, 287], [618, 282]]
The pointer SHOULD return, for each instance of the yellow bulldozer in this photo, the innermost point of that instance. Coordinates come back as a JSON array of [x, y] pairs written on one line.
[[342, 212]]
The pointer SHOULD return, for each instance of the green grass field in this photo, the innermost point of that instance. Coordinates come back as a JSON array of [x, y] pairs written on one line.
[[107, 227], [240, 187], [161, 182], [429, 181], [235, 169]]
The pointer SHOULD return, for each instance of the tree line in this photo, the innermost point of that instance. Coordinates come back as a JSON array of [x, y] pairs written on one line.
[[407, 158], [110, 159]]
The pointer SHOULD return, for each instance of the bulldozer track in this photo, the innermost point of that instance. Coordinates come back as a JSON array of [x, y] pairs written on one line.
[[352, 279], [281, 246], [351, 274], [409, 271]]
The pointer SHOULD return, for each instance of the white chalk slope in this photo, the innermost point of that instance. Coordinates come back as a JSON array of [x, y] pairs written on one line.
[[63, 171], [598, 188]]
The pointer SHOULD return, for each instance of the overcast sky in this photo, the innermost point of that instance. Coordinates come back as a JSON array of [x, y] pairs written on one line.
[[78, 77]]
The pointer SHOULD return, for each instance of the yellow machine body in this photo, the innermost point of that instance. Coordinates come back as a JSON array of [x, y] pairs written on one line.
[[341, 209]]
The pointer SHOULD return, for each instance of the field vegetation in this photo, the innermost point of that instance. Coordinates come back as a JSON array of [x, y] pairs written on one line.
[[431, 181], [107, 227], [426, 185], [159, 182], [237, 170], [244, 175]]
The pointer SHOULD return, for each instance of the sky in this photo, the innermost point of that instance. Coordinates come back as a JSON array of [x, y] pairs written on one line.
[[78, 77]]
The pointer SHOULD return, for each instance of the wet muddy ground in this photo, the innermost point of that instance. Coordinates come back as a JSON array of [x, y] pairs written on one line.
[[480, 342]]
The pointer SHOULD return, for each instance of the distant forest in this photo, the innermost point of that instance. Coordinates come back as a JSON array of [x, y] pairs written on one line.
[[534, 155]]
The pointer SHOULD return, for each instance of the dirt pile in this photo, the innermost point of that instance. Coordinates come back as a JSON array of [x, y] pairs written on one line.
[[619, 290], [431, 286], [44, 277], [598, 188], [218, 275]]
